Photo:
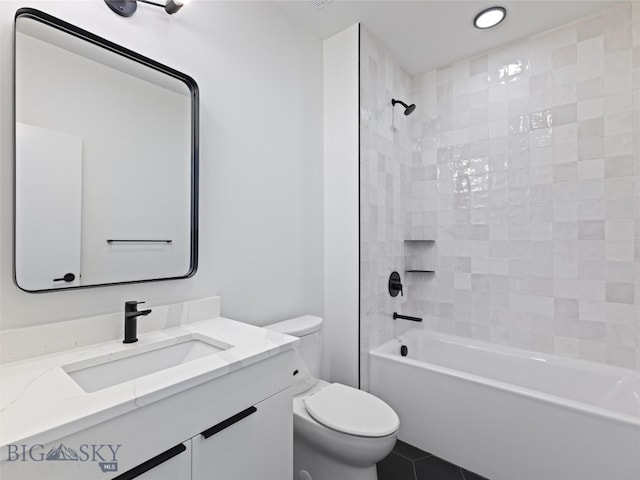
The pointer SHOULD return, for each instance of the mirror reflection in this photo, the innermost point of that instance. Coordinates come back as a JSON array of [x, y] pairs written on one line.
[[106, 161]]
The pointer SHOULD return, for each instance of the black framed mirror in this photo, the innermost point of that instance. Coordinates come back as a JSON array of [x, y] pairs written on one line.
[[106, 161]]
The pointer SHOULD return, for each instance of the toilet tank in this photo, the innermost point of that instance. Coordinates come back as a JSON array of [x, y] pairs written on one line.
[[308, 328]]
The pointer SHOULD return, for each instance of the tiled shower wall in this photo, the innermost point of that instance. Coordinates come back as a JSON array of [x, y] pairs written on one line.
[[385, 190], [523, 164]]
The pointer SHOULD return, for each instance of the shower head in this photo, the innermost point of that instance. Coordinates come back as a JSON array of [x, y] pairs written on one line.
[[408, 109]]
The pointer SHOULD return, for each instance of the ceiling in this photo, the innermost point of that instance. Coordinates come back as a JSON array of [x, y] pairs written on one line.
[[424, 34]]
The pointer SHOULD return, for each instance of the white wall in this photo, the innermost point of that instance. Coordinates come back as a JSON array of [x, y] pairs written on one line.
[[341, 236], [260, 79]]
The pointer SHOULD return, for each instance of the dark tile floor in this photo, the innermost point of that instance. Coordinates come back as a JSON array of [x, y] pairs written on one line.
[[407, 462]]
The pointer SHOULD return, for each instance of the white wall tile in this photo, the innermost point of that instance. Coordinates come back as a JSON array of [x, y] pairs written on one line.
[[534, 202]]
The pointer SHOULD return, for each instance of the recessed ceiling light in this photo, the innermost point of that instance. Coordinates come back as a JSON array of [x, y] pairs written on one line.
[[490, 17], [319, 4]]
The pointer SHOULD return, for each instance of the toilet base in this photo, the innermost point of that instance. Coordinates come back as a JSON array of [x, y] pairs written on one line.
[[322, 453], [310, 464]]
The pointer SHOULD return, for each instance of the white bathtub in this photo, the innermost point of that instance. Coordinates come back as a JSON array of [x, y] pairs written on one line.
[[511, 414]]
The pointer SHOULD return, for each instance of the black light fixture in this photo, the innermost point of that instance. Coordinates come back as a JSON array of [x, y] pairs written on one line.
[[489, 17], [126, 8]]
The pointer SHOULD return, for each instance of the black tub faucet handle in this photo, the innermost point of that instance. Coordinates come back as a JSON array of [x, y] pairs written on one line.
[[395, 285]]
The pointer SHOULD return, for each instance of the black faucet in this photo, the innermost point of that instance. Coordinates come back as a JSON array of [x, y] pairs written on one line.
[[131, 315]]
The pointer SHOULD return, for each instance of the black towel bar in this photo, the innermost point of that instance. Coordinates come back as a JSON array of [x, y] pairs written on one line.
[[111, 240]]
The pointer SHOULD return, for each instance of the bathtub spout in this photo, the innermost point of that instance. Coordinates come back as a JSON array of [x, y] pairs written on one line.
[[396, 315]]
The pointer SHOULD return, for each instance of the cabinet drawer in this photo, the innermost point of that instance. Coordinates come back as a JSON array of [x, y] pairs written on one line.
[[256, 444]]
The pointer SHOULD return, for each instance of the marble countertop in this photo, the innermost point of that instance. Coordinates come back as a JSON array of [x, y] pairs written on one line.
[[40, 401]]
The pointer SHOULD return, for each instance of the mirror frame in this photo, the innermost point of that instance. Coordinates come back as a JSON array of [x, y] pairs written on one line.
[[100, 42]]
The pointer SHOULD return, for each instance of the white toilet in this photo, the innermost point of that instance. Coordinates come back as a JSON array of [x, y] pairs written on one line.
[[340, 433]]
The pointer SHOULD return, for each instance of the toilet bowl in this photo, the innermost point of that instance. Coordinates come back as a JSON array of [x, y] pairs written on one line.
[[340, 432]]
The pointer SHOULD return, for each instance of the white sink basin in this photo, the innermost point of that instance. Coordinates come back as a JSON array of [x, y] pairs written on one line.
[[108, 370]]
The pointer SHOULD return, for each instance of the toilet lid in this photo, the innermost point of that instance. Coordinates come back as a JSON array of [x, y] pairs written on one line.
[[352, 411]]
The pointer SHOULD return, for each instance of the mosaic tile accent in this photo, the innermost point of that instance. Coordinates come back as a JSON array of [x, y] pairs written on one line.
[[523, 164]]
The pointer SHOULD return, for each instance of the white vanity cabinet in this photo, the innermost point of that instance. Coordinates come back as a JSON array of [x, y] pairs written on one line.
[[254, 444], [246, 415]]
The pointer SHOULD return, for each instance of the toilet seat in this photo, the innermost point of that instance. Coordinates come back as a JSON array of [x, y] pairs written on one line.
[[351, 411]]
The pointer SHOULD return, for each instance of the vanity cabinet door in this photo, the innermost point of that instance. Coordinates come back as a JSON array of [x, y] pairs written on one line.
[[174, 464], [255, 444]]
